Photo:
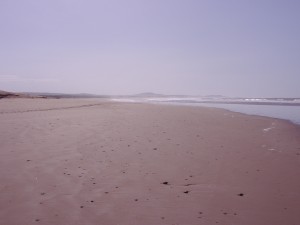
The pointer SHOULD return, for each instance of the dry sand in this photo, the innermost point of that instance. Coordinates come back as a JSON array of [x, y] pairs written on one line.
[[87, 162]]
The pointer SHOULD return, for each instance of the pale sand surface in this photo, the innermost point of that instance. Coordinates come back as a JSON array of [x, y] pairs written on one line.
[[86, 162]]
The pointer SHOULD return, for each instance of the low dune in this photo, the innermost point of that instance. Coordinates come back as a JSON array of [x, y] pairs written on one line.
[[5, 94]]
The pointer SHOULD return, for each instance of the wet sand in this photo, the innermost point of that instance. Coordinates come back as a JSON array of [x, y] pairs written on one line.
[[91, 162]]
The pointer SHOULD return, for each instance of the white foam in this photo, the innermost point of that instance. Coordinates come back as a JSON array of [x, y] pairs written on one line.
[[273, 150], [268, 129]]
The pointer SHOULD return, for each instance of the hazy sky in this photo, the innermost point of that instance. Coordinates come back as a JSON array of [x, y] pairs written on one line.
[[229, 47]]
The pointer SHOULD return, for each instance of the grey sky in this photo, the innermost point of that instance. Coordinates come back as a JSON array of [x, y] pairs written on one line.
[[229, 47]]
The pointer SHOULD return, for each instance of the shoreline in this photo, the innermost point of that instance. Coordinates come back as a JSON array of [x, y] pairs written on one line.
[[91, 162], [216, 106], [97, 101]]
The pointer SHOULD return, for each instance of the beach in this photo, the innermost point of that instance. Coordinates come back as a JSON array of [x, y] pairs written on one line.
[[92, 161]]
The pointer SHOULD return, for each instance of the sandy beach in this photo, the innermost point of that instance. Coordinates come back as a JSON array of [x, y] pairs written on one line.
[[95, 162]]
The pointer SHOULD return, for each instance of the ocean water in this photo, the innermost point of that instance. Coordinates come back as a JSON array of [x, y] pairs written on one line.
[[291, 113], [280, 109]]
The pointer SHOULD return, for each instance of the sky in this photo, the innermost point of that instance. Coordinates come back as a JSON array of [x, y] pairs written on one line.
[[236, 48]]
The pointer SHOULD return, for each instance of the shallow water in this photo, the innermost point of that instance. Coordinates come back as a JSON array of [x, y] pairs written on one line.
[[291, 113], [287, 112]]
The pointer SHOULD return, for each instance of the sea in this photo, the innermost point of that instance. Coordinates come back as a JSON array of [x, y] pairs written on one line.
[[281, 108]]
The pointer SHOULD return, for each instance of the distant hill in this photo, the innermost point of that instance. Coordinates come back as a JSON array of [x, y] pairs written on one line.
[[155, 95], [148, 94], [214, 96]]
